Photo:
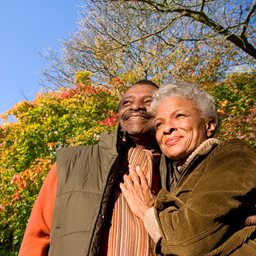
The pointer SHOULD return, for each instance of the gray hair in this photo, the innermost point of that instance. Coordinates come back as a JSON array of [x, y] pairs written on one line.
[[203, 100]]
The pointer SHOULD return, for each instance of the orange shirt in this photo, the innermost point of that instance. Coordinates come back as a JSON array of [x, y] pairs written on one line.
[[36, 240]]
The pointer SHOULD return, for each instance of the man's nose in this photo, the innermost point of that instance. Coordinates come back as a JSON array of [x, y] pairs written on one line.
[[137, 105]]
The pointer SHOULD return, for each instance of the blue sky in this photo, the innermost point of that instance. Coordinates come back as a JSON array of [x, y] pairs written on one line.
[[27, 28]]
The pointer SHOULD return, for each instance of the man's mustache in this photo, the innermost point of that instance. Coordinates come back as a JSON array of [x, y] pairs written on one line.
[[142, 113]]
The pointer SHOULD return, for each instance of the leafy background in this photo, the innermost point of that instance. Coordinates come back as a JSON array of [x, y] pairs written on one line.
[[112, 49]]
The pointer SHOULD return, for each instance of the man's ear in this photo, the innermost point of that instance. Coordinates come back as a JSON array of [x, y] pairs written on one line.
[[210, 128]]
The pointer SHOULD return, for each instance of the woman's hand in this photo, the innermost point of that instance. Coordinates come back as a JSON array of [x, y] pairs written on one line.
[[137, 192]]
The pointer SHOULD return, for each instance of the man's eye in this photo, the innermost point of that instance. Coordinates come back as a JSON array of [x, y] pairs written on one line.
[[126, 102], [148, 101]]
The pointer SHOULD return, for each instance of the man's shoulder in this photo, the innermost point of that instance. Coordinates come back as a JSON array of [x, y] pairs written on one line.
[[106, 140]]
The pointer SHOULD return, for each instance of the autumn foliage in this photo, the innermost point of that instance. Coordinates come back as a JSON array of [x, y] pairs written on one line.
[[76, 116], [28, 146]]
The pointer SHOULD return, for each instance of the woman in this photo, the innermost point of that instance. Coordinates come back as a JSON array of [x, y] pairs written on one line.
[[212, 184]]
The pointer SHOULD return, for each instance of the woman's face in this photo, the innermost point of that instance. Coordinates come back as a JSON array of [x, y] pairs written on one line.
[[180, 128]]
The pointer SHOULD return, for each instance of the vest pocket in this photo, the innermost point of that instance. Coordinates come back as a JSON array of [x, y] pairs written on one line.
[[73, 215]]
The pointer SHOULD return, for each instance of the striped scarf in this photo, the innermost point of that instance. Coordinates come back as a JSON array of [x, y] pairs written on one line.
[[127, 234]]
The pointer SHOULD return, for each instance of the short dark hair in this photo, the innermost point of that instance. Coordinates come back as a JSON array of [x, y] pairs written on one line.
[[145, 81]]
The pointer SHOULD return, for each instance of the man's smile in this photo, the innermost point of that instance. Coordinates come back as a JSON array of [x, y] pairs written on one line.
[[136, 115]]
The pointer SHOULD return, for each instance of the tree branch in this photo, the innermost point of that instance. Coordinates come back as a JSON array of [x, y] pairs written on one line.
[[240, 41], [202, 6], [247, 19], [140, 38]]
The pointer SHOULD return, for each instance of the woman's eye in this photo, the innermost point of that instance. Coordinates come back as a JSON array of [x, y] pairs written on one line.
[[157, 125], [179, 115]]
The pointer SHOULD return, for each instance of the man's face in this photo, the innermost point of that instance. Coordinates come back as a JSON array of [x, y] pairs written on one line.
[[134, 109]]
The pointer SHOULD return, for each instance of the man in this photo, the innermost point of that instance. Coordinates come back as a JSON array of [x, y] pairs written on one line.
[[90, 215]]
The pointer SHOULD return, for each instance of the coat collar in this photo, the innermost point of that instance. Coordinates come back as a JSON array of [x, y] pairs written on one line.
[[202, 149]]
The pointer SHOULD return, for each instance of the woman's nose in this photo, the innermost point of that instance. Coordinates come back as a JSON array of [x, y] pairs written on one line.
[[168, 129]]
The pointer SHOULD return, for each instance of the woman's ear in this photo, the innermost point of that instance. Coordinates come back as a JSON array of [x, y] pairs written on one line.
[[210, 128]]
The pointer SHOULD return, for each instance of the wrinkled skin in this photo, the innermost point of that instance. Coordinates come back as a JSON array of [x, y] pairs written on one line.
[[180, 127]]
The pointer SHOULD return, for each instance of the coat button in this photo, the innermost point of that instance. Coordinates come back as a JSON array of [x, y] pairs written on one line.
[[101, 216]]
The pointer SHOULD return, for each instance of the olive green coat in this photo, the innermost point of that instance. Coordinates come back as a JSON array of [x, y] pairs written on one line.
[[85, 179]]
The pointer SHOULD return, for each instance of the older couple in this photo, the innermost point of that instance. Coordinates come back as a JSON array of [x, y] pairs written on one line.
[[208, 186], [212, 184]]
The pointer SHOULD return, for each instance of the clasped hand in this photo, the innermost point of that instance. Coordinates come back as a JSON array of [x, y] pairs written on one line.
[[137, 193]]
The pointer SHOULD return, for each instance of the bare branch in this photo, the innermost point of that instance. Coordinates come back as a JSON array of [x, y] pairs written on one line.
[[240, 41], [202, 6], [247, 19], [139, 38]]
